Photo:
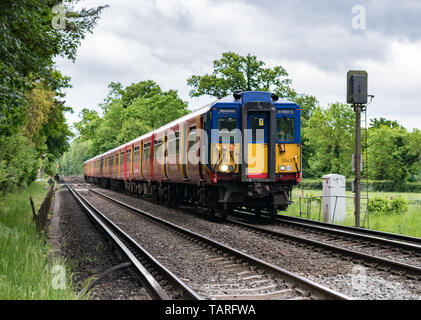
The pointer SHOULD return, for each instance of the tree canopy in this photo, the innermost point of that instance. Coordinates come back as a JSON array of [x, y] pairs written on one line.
[[394, 153], [247, 73], [330, 133], [32, 103], [29, 42], [128, 113]]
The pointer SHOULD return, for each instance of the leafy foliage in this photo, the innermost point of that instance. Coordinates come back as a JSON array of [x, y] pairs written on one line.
[[247, 73], [377, 123], [72, 161], [28, 45], [396, 153], [128, 113], [30, 86], [382, 206], [18, 162], [90, 122], [330, 132]]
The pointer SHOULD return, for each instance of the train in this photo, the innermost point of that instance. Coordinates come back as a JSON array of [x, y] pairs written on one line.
[[242, 151]]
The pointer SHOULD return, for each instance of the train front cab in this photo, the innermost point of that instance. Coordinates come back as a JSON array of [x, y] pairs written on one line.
[[270, 150]]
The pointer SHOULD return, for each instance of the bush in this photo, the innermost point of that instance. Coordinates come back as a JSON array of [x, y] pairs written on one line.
[[399, 205], [18, 163], [382, 206], [378, 206]]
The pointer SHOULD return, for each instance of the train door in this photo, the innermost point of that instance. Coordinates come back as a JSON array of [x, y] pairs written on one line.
[[193, 153], [115, 164], [101, 168], [128, 164], [257, 145], [140, 159], [183, 151], [146, 159], [165, 156], [136, 167]]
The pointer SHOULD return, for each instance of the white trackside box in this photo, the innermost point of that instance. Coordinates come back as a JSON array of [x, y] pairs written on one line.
[[334, 201]]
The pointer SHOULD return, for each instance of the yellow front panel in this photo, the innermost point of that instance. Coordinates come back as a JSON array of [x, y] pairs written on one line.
[[257, 158], [225, 154], [290, 158]]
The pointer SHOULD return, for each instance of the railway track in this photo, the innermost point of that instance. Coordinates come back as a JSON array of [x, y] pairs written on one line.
[[160, 283], [393, 253], [227, 273], [394, 256], [328, 227]]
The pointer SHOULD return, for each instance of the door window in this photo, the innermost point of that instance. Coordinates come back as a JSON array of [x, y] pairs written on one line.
[[258, 128]]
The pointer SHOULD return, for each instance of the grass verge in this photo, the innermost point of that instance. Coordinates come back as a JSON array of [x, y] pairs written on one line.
[[27, 271], [407, 224]]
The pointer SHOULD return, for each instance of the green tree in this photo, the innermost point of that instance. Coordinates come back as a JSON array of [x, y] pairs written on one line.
[[29, 42], [106, 136], [89, 124], [129, 113], [330, 132], [18, 162], [147, 113], [72, 161], [308, 105], [393, 153], [247, 73], [57, 132], [377, 123], [41, 101]]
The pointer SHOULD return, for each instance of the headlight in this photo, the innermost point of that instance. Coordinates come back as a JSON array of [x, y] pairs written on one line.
[[224, 168], [282, 168]]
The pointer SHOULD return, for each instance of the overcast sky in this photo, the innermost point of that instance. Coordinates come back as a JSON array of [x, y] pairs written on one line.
[[316, 41]]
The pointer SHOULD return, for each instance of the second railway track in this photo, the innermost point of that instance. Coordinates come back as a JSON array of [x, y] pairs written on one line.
[[374, 251]]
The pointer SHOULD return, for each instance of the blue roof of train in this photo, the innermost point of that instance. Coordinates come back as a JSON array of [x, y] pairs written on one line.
[[251, 96]]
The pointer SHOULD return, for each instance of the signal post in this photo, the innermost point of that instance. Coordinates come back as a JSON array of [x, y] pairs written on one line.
[[357, 96]]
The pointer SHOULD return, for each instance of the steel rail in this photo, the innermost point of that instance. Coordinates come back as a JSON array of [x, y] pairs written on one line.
[[351, 232], [299, 281], [331, 226], [373, 261], [118, 236]]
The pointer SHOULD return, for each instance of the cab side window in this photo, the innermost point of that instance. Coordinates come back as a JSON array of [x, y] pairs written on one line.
[[286, 129]]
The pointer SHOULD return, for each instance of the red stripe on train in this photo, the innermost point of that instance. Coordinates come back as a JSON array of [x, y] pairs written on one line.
[[257, 176]]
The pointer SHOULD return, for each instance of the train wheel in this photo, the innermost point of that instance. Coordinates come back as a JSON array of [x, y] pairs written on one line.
[[167, 198], [159, 196], [227, 211], [273, 211]]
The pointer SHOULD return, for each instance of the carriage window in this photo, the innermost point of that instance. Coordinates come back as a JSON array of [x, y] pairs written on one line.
[[156, 147], [122, 157], [146, 151], [129, 156], [136, 154], [174, 144], [177, 143], [225, 126], [192, 136], [285, 129]]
